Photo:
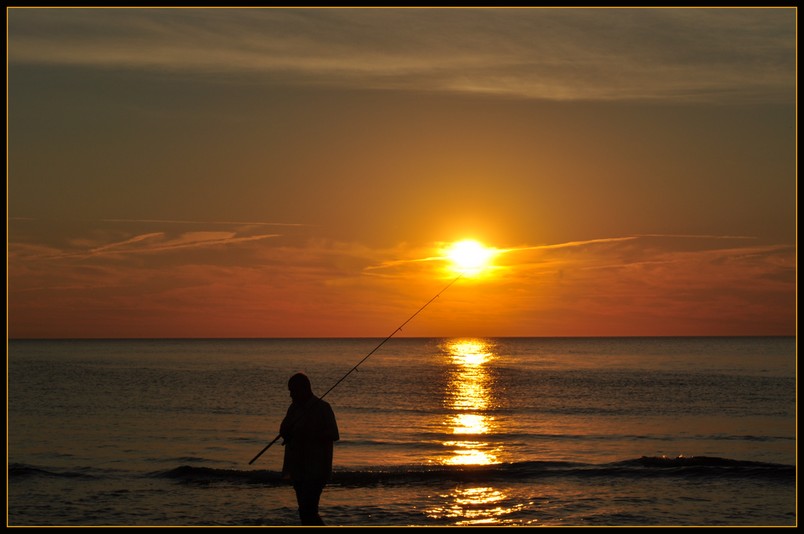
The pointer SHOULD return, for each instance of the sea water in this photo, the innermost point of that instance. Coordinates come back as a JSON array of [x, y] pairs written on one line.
[[503, 431]]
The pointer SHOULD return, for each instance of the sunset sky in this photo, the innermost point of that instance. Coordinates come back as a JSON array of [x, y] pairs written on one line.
[[298, 172]]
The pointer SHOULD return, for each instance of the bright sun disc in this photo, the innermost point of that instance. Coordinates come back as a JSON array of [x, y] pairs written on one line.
[[469, 256]]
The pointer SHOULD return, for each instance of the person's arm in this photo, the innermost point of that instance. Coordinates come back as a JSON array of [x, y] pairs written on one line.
[[329, 424], [286, 427]]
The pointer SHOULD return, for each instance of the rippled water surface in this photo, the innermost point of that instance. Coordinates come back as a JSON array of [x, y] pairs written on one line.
[[634, 431]]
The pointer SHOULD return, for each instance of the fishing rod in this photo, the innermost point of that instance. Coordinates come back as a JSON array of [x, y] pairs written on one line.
[[366, 357]]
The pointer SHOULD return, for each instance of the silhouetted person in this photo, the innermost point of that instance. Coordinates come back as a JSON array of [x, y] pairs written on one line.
[[309, 431]]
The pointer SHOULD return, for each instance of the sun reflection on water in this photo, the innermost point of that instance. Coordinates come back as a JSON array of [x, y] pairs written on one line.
[[477, 505], [470, 422], [469, 352], [468, 397]]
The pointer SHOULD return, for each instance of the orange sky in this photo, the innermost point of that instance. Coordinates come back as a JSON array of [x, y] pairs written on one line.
[[283, 173]]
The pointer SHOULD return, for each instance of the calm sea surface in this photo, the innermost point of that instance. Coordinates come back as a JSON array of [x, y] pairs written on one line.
[[508, 431]]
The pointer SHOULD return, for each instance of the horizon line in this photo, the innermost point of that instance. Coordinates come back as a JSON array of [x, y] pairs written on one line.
[[8, 339]]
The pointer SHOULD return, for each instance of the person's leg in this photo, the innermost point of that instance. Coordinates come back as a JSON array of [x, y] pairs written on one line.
[[308, 495]]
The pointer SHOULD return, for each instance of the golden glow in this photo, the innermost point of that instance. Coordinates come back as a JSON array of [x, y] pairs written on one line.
[[470, 401], [469, 352], [469, 257], [469, 397], [469, 423], [470, 453], [478, 505]]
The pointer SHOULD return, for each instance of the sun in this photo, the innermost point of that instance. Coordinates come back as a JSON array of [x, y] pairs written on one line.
[[469, 256]]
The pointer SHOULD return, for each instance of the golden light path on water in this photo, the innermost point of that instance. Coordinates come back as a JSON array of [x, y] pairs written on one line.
[[468, 397]]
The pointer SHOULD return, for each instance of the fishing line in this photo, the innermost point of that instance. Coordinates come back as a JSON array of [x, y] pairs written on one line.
[[366, 357]]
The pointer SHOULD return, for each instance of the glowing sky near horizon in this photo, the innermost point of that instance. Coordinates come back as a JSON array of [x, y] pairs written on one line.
[[296, 172]]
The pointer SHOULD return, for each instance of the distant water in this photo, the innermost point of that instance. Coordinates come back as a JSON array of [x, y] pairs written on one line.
[[507, 431]]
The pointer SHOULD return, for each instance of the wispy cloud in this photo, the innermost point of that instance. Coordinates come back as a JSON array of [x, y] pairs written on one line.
[[629, 285], [498, 252], [562, 54], [208, 223], [179, 221], [148, 243], [698, 236], [570, 244], [157, 242], [127, 244]]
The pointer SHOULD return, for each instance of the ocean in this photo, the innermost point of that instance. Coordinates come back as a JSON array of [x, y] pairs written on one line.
[[434, 432]]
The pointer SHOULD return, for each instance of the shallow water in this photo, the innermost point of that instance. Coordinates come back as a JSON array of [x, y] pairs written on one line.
[[525, 431]]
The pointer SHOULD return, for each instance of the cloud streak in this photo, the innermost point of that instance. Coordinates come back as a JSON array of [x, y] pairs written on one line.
[[157, 242], [149, 243], [555, 246], [224, 223], [557, 54], [611, 286]]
